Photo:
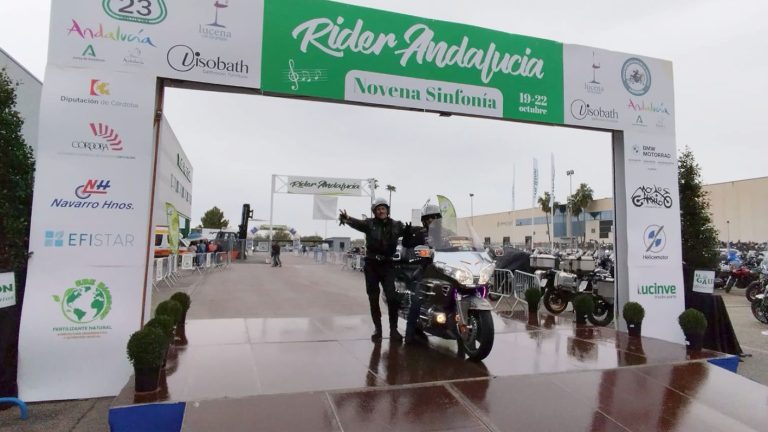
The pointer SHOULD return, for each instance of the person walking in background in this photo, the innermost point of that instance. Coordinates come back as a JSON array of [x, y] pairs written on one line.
[[381, 234], [276, 255]]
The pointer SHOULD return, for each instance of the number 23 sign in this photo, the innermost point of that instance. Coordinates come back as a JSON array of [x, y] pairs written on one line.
[[140, 11]]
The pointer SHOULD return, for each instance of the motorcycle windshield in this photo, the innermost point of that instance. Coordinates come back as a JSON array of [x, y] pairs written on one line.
[[443, 238]]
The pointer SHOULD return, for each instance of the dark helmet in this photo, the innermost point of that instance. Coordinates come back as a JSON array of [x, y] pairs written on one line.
[[430, 211]]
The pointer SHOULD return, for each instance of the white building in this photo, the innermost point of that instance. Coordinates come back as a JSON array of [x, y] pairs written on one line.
[[173, 183], [27, 96]]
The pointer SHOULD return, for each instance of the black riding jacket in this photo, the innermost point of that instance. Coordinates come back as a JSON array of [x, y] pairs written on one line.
[[380, 235]]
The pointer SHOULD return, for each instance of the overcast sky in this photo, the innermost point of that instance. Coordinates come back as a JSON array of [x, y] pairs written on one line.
[[236, 142]]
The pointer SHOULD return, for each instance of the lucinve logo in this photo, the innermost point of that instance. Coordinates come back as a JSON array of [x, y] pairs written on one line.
[[658, 290], [581, 110], [63, 239], [183, 58]]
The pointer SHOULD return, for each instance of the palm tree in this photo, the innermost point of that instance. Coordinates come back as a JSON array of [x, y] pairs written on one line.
[[580, 200], [391, 189], [547, 209]]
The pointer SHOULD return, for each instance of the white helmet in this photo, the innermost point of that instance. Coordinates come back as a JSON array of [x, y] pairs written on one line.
[[379, 202], [430, 210]]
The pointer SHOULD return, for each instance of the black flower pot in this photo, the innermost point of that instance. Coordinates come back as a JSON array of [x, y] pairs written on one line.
[[695, 341], [181, 331], [146, 379], [634, 329], [581, 319]]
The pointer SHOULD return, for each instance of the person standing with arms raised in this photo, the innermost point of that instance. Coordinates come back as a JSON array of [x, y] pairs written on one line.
[[381, 234]]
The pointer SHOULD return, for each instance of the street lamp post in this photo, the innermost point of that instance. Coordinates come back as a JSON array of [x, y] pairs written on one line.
[[569, 226], [728, 238], [472, 208]]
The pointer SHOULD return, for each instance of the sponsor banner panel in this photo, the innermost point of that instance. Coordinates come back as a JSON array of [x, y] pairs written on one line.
[[704, 281], [84, 315], [613, 90], [215, 42], [7, 290], [342, 52], [660, 291], [93, 116], [324, 186]]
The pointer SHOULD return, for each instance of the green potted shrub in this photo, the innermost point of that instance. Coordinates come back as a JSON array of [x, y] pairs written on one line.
[[181, 327], [583, 306], [532, 297], [170, 308], [693, 323], [633, 314], [146, 351], [165, 325]]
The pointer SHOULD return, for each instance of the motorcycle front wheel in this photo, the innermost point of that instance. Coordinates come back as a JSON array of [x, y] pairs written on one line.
[[759, 312], [729, 284], [753, 290], [555, 301], [476, 340], [603, 314]]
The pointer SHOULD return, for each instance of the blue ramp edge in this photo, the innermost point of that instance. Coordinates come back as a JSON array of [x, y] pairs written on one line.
[[730, 363], [153, 417]]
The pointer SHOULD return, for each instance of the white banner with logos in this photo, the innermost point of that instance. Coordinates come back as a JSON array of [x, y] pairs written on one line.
[[704, 281], [324, 186], [325, 207], [654, 254], [197, 40], [89, 231], [7, 290], [613, 90]]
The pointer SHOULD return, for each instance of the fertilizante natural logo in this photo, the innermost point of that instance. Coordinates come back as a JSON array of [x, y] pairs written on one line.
[[86, 302]]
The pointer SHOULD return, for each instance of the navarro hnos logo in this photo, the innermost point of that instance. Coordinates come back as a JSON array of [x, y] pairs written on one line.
[[657, 290], [63, 239], [581, 110], [655, 241], [182, 58], [652, 197], [86, 191]]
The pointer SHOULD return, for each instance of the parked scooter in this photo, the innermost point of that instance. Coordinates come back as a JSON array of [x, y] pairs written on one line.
[[453, 275]]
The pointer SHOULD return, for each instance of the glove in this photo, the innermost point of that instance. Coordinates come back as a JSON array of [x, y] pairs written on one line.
[[407, 229], [343, 218]]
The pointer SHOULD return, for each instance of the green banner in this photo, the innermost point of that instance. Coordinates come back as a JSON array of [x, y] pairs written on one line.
[[336, 51], [173, 228]]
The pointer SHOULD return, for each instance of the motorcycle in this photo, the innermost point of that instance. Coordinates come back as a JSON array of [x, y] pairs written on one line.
[[561, 287], [740, 277], [759, 307], [452, 274], [759, 285]]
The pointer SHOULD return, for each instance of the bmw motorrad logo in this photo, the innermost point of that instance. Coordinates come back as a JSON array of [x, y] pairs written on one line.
[[636, 76]]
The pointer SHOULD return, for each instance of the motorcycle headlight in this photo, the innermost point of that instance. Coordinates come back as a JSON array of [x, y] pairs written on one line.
[[486, 274], [462, 275]]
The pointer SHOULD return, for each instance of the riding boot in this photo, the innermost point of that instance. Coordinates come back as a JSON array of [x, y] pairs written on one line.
[[377, 333], [394, 335]]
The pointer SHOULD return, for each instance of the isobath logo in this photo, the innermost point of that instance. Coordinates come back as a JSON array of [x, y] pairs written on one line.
[[99, 88], [183, 58], [652, 197], [86, 302], [581, 110], [636, 76], [62, 239]]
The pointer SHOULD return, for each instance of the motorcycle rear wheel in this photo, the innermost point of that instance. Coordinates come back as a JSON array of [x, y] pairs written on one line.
[[603, 314], [729, 284], [555, 302], [753, 290], [476, 342], [759, 312]]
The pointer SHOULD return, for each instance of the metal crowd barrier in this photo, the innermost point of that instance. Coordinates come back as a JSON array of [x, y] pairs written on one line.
[[510, 287], [168, 270]]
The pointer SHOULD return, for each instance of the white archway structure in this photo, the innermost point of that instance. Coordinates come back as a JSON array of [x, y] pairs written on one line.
[[109, 61]]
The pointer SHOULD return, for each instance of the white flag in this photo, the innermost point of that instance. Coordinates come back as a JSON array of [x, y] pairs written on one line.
[[325, 207], [535, 181], [552, 193]]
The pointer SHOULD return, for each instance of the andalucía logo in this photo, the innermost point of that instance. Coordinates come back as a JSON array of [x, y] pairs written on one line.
[[182, 58], [636, 76], [654, 240], [86, 191], [109, 34], [652, 197], [86, 302], [62, 239], [216, 30], [658, 290]]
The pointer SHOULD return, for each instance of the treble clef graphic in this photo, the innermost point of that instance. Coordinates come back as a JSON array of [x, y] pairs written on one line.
[[293, 76]]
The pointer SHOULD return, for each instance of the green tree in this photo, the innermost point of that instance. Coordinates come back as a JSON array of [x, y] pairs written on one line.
[[391, 189], [214, 219], [579, 201], [17, 170], [700, 237], [547, 209], [311, 239]]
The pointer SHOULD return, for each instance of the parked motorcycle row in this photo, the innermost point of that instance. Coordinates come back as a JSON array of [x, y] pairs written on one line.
[[749, 273]]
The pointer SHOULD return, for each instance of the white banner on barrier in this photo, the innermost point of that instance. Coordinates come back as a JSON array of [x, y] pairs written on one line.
[[187, 261], [7, 290], [324, 186], [159, 265]]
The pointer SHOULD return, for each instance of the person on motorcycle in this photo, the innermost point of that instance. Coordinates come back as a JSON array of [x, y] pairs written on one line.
[[381, 234], [412, 238]]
